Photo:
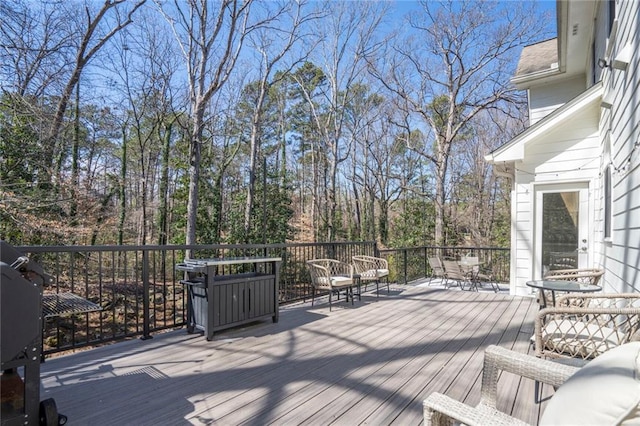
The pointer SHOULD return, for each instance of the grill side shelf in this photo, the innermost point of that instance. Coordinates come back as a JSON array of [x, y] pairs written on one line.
[[56, 304]]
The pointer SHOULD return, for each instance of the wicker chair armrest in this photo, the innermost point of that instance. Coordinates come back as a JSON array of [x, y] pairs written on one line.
[[440, 409], [381, 263], [575, 299], [497, 359], [574, 271]]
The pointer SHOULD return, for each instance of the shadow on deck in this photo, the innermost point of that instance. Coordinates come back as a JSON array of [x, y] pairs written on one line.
[[373, 362]]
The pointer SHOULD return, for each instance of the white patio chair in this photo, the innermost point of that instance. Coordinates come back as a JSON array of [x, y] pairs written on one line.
[[331, 275], [372, 269]]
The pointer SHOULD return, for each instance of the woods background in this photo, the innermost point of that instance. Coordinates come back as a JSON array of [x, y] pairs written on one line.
[[195, 121]]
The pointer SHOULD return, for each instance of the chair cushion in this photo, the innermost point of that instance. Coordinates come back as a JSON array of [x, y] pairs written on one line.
[[333, 281], [604, 392], [338, 281], [580, 338]]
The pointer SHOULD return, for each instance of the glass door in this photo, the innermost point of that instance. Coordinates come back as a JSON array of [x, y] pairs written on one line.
[[562, 229]]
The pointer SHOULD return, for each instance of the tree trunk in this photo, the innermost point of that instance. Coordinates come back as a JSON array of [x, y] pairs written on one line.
[[440, 195], [253, 159], [194, 175], [75, 167], [217, 206], [123, 187], [163, 230], [383, 221]]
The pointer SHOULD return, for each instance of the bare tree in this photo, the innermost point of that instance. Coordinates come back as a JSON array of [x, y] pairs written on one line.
[[145, 67], [348, 35], [456, 63], [271, 44], [33, 44], [91, 37], [211, 35]]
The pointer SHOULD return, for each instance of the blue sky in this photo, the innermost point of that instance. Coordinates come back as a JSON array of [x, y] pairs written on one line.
[[405, 6]]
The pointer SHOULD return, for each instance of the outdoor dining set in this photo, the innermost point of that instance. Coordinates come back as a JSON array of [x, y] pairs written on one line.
[[586, 344], [467, 272]]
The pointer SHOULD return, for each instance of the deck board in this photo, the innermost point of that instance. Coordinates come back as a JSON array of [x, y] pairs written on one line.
[[370, 363]]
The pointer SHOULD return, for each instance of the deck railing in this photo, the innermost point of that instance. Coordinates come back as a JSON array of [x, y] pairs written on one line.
[[139, 289], [140, 293]]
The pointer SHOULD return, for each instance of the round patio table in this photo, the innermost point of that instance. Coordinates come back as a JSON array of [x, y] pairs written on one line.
[[557, 285]]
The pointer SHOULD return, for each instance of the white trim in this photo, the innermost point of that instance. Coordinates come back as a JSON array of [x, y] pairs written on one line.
[[524, 82], [585, 231], [514, 149]]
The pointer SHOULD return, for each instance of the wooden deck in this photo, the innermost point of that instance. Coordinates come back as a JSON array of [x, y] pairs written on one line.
[[371, 363]]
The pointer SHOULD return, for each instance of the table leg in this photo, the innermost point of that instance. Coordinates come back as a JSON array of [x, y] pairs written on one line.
[[542, 299]]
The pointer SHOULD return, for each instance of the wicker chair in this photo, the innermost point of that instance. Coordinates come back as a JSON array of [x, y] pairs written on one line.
[[585, 276], [372, 269], [331, 275], [583, 326], [604, 392], [440, 409]]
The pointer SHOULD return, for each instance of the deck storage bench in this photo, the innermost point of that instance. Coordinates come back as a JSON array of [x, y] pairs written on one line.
[[220, 301]]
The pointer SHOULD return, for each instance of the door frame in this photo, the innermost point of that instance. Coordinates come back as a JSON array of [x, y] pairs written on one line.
[[584, 222]]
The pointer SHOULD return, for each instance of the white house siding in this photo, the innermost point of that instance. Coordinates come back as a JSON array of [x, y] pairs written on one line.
[[622, 254], [545, 99], [522, 235], [568, 153]]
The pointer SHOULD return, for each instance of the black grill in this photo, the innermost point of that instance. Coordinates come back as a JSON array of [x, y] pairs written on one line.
[[21, 317]]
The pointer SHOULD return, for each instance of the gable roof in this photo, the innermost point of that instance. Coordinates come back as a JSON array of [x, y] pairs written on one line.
[[537, 61], [514, 149]]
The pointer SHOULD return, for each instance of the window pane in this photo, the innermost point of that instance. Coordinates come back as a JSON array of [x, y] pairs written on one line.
[[560, 230]]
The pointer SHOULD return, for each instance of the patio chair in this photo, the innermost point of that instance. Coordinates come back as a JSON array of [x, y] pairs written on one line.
[[479, 274], [372, 269], [453, 272], [605, 391], [437, 270], [584, 326], [584, 275], [563, 260], [331, 275], [470, 266]]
